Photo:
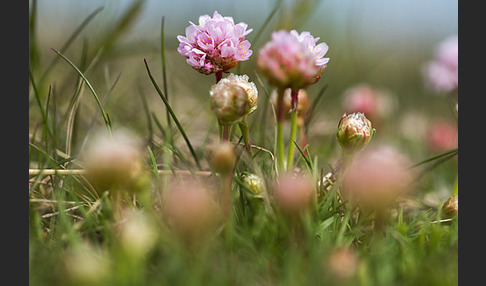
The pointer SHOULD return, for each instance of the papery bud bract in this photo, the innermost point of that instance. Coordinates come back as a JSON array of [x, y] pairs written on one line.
[[229, 101], [222, 157], [451, 207], [354, 131], [249, 87]]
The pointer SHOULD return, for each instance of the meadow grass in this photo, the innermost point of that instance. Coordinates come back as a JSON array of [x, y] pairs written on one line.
[[74, 236]]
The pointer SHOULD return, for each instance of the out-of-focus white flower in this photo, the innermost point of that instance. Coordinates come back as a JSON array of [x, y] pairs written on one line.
[[114, 160]]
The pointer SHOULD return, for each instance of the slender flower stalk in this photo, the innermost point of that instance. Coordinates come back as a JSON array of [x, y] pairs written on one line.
[[280, 123], [291, 60], [222, 160], [293, 128]]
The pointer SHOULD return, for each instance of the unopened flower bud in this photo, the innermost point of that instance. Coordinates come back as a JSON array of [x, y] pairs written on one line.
[[190, 208], [451, 207], [115, 161], [222, 157], [136, 233], [232, 99], [85, 265], [249, 87], [354, 131], [254, 183]]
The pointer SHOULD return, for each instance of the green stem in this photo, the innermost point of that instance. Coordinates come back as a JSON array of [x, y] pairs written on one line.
[[456, 188], [225, 133], [280, 122], [227, 180], [245, 133], [176, 121], [293, 132]]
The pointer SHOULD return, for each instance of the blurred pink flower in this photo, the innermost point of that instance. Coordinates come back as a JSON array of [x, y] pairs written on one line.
[[318, 51], [217, 44], [441, 74], [441, 136], [291, 60], [374, 103], [377, 176], [294, 193]]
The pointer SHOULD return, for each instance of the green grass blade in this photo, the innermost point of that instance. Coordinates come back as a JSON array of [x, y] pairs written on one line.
[[164, 73], [105, 116], [308, 162], [174, 117], [266, 22], [448, 153]]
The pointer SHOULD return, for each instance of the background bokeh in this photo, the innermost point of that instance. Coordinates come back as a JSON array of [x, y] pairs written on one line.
[[381, 43]]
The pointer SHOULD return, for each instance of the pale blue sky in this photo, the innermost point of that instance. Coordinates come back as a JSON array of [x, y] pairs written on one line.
[[429, 20]]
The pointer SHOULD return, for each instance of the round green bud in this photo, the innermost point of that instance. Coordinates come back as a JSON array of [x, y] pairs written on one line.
[[354, 131], [232, 99]]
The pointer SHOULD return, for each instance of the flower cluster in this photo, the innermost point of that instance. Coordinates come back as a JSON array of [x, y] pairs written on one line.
[[292, 60], [217, 44], [441, 74]]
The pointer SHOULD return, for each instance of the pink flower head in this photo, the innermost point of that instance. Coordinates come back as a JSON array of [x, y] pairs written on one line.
[[441, 136], [377, 176], [291, 60], [217, 44], [318, 51], [441, 74]]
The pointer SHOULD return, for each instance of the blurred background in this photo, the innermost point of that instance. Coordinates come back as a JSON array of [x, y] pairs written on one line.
[[378, 43]]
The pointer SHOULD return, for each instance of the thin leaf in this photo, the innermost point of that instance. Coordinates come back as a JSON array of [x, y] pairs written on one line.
[[105, 117], [164, 73], [307, 161], [448, 153], [169, 108], [265, 23]]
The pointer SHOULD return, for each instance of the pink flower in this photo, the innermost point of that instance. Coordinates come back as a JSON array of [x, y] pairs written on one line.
[[216, 44], [441, 136], [377, 176], [441, 74], [310, 43], [375, 103], [291, 60]]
